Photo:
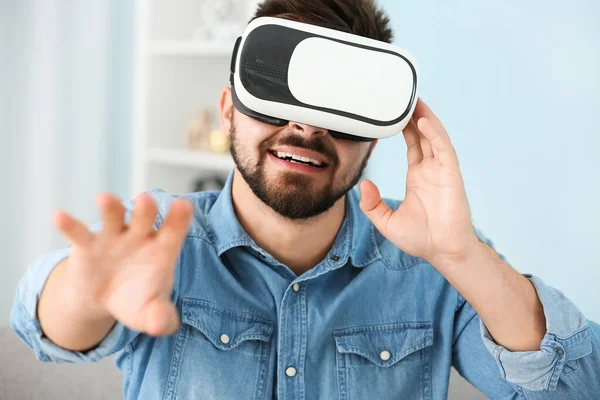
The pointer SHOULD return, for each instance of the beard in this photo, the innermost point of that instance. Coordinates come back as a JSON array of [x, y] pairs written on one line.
[[290, 194]]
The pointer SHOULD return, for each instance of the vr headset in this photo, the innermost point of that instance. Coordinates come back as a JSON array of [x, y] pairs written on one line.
[[355, 87]]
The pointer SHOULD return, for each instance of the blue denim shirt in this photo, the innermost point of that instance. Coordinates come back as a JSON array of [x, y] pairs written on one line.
[[368, 322]]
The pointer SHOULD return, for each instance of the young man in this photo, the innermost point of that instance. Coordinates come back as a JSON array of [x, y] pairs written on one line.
[[286, 285]]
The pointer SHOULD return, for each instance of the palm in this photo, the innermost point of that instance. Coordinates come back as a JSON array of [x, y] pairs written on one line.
[[141, 277], [430, 210]]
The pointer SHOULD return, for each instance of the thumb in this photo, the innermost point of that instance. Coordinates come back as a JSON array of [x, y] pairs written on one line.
[[161, 318], [373, 206]]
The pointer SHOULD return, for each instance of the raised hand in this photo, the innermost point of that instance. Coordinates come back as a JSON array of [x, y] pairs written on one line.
[[434, 220], [127, 272]]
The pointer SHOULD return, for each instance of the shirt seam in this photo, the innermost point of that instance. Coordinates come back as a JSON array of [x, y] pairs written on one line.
[[571, 336], [464, 327]]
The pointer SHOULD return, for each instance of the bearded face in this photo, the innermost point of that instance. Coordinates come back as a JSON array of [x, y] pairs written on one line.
[[298, 170]]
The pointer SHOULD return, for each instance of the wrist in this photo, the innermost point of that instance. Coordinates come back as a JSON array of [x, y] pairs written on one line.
[[475, 249], [83, 301]]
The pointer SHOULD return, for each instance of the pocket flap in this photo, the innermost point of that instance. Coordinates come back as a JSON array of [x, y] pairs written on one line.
[[223, 327], [385, 344]]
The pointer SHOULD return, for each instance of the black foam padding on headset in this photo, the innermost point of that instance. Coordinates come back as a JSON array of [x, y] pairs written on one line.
[[281, 122], [253, 114]]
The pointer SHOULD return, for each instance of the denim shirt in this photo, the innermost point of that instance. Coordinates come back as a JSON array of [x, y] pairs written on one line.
[[368, 322]]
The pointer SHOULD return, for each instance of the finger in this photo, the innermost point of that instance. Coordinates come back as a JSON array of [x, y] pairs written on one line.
[[72, 229], [440, 141], [426, 147], [174, 230], [422, 110], [112, 213], [143, 216], [413, 143], [373, 206], [161, 318]]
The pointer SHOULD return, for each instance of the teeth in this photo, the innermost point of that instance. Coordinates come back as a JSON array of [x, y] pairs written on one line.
[[281, 154]]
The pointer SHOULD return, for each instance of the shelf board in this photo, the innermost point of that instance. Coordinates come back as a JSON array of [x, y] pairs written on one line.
[[189, 48], [195, 159]]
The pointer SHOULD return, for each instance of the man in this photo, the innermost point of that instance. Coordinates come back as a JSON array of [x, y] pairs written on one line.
[[286, 285]]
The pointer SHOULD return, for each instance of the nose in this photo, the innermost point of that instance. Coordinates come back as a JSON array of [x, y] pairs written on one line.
[[306, 130]]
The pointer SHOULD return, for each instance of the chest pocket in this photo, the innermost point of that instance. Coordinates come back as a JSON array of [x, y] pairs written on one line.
[[219, 353], [388, 361]]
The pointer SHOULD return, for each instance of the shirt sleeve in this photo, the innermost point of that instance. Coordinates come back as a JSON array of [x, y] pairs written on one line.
[[566, 366], [24, 320], [568, 338]]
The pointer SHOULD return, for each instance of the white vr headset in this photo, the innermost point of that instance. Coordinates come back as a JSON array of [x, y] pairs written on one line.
[[355, 87]]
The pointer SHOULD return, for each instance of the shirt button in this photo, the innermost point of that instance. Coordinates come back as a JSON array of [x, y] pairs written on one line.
[[295, 287], [224, 339], [334, 257], [560, 352], [290, 371], [385, 355]]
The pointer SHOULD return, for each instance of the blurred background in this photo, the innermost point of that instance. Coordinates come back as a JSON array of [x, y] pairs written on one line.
[[121, 96]]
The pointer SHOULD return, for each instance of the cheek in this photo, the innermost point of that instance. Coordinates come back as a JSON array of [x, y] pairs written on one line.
[[351, 155], [250, 136]]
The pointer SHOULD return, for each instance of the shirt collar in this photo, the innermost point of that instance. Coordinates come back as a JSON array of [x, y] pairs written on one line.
[[355, 240], [224, 229]]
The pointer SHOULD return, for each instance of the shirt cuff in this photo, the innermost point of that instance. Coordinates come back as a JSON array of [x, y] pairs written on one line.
[[567, 338], [26, 325], [46, 350]]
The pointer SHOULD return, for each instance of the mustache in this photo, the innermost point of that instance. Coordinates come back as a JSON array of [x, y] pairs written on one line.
[[318, 145]]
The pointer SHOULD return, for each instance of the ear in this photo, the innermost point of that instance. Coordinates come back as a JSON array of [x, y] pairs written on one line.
[[226, 110], [373, 144], [371, 148]]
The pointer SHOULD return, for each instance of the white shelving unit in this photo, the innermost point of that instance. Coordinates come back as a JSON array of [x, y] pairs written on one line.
[[177, 71], [194, 159], [182, 48]]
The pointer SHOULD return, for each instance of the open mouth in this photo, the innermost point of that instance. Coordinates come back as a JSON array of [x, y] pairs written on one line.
[[298, 159]]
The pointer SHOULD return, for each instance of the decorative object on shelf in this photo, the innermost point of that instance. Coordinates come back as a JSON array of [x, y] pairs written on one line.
[[219, 141], [218, 22], [203, 134], [198, 131], [208, 183]]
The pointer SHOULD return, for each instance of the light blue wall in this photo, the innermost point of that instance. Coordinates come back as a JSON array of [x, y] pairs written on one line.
[[93, 51], [517, 85]]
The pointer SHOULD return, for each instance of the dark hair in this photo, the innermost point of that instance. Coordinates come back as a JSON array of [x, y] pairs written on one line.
[[360, 17]]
